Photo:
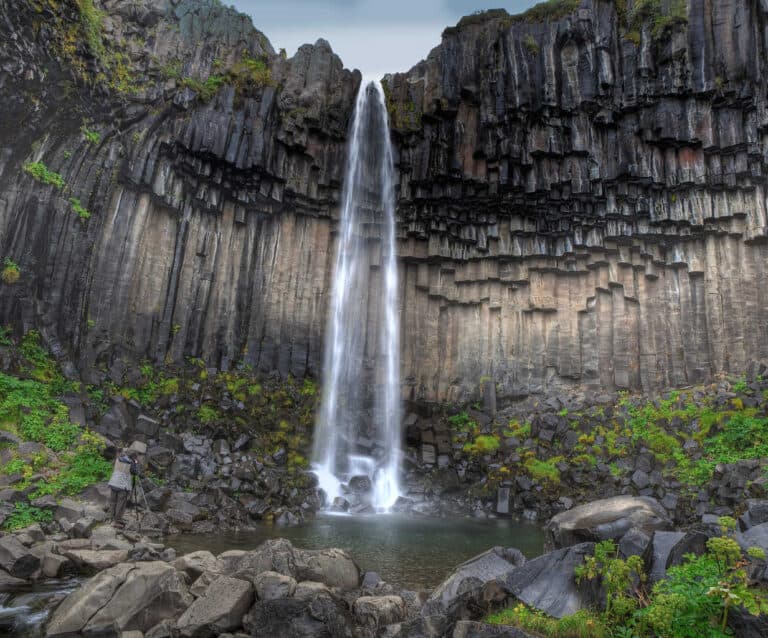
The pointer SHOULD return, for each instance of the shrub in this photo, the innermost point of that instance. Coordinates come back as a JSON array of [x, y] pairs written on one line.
[[24, 515], [207, 414], [92, 137], [90, 23], [583, 624], [40, 172], [11, 272], [545, 471], [533, 48], [483, 444], [78, 209]]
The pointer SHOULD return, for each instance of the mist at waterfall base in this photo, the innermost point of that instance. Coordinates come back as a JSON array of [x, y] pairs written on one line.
[[357, 439]]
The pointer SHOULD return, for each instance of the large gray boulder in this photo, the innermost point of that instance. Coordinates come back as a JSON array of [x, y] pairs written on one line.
[[196, 563], [548, 583], [376, 612], [271, 586], [128, 596], [334, 567], [220, 609], [322, 616], [609, 518], [91, 560], [472, 588], [16, 559]]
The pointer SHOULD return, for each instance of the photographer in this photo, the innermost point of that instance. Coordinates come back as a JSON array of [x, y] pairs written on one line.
[[125, 472]]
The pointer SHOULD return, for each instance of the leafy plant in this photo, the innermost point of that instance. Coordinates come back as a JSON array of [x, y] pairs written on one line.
[[207, 414], [79, 210], [618, 577], [24, 515], [40, 172], [483, 444], [92, 137], [11, 272]]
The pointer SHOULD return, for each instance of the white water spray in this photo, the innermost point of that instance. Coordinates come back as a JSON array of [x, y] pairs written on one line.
[[362, 344]]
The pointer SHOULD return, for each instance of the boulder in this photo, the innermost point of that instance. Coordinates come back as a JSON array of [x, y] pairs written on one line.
[[271, 586], [221, 608], [634, 543], [757, 512], [53, 565], [334, 567], [376, 612], [93, 560], [276, 555], [16, 559], [473, 585], [661, 547], [323, 616], [69, 510], [8, 582], [756, 536], [547, 583], [310, 589], [605, 519], [123, 598], [195, 564]]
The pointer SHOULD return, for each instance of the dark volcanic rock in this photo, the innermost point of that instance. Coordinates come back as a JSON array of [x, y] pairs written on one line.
[[548, 582]]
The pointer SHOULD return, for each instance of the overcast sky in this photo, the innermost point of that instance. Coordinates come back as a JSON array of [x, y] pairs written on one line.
[[375, 36]]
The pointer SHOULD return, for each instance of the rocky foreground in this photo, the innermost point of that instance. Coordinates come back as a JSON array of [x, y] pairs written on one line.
[[142, 588]]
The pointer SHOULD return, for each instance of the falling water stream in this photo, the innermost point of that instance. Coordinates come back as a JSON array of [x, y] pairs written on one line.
[[358, 428]]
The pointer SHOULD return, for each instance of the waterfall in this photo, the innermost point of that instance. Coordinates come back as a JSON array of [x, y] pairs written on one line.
[[358, 428]]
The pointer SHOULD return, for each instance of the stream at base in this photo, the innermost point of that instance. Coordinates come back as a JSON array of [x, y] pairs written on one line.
[[413, 553]]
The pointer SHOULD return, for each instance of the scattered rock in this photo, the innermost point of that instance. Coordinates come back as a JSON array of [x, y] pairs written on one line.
[[547, 583], [16, 559], [221, 608], [608, 518]]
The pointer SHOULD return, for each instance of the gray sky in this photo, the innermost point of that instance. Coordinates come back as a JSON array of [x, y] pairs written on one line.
[[375, 36]]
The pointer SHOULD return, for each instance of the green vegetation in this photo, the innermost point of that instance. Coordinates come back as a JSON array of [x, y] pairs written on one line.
[[92, 137], [483, 444], [78, 209], [246, 75], [25, 515], [90, 23], [545, 471], [30, 408], [206, 90], [207, 414], [662, 19], [693, 601], [40, 172], [547, 11], [531, 45], [583, 624], [11, 272]]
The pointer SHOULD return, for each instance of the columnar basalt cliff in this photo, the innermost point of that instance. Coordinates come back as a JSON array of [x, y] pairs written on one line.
[[584, 205], [582, 199]]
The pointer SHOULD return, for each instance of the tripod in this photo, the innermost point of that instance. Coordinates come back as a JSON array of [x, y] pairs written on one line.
[[139, 499]]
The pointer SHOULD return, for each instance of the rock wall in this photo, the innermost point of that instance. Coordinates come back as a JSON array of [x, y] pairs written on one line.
[[581, 206]]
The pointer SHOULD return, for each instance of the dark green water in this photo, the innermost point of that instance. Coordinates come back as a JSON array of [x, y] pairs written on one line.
[[408, 552]]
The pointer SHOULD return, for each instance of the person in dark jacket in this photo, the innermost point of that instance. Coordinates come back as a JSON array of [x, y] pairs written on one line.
[[125, 472]]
